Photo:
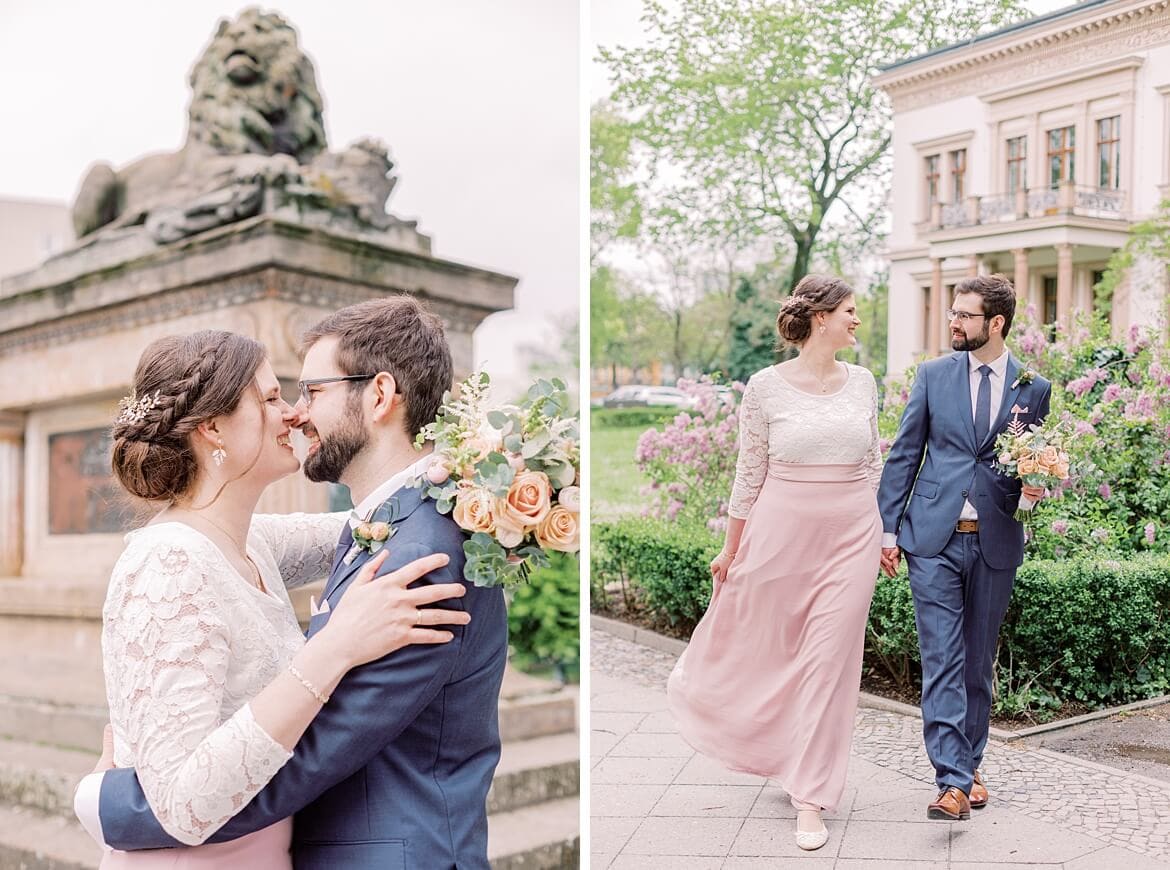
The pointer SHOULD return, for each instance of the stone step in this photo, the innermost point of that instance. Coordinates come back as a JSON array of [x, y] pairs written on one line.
[[30, 840], [534, 771], [530, 772], [79, 726], [534, 838], [540, 837]]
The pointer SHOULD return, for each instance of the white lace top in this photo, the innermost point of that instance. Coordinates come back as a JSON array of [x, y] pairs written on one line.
[[186, 643], [779, 422]]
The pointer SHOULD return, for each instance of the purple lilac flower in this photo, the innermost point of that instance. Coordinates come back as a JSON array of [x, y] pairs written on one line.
[[1150, 531], [1105, 491], [1100, 535], [1060, 527], [1112, 392], [1085, 428]]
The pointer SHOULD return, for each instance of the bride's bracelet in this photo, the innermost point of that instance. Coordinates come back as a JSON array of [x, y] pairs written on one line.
[[324, 699]]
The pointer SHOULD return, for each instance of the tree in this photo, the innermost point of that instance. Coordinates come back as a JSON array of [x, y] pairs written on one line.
[[753, 332], [760, 116], [614, 207]]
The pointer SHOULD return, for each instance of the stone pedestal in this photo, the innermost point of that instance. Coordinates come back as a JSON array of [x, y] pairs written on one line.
[[71, 333]]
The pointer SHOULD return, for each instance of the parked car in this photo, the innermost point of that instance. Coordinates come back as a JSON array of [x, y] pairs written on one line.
[[645, 395]]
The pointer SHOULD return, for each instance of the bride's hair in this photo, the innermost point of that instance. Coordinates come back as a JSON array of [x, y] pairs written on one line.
[[813, 293], [196, 377]]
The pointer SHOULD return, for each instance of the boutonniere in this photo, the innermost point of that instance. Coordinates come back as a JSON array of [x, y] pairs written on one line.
[[372, 533], [1024, 377]]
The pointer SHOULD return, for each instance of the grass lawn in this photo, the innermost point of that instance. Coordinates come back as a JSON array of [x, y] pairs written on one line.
[[614, 478]]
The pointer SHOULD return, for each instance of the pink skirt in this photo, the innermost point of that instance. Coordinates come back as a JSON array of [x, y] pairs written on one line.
[[266, 849], [770, 680]]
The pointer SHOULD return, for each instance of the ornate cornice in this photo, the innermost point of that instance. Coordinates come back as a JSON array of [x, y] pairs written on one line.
[[311, 291], [1101, 32]]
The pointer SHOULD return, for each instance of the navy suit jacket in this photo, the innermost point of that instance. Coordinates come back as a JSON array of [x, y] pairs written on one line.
[[394, 771], [935, 464]]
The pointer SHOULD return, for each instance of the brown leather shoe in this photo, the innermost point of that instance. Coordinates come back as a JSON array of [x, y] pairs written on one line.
[[951, 805], [978, 793]]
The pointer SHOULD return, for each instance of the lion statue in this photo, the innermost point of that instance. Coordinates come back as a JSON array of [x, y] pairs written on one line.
[[255, 142]]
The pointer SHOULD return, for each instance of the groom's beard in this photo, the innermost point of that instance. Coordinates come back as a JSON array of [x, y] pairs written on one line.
[[337, 450], [966, 342]]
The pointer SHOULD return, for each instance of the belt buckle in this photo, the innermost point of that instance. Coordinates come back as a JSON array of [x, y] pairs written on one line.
[[967, 526]]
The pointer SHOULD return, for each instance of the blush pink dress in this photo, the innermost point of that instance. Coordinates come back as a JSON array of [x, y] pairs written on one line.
[[770, 680], [186, 643]]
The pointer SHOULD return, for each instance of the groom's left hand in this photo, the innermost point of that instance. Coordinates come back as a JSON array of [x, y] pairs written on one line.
[[1034, 492]]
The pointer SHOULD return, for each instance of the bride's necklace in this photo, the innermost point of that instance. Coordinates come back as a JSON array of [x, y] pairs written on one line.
[[256, 575], [824, 384]]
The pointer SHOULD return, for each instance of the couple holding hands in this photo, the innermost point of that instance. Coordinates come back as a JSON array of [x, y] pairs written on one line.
[[770, 681]]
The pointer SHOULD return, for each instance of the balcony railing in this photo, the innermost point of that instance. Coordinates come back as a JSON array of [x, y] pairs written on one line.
[[1066, 199]]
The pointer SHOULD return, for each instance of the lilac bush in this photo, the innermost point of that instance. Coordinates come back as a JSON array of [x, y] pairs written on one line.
[[691, 462]]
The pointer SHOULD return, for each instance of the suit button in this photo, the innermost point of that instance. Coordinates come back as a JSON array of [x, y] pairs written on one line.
[[964, 493]]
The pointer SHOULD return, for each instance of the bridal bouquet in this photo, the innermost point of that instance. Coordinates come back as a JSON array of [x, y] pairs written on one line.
[[1037, 454], [509, 475]]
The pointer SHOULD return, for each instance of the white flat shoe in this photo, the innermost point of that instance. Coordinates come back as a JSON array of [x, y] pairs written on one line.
[[812, 840]]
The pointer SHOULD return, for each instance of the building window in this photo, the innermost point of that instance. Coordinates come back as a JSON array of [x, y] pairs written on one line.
[[1109, 153], [1061, 155], [1049, 305], [931, 181], [1017, 163], [958, 174]]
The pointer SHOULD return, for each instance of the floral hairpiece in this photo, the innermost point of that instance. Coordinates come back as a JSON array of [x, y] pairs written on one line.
[[134, 409]]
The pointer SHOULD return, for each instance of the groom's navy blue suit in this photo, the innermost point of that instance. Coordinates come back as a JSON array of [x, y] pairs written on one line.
[[961, 582], [394, 771]]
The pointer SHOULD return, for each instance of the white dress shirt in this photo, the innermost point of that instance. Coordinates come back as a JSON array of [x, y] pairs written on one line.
[[998, 374], [382, 492]]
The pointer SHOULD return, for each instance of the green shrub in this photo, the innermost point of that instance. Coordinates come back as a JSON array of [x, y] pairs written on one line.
[[543, 626], [624, 418], [666, 562], [1091, 631]]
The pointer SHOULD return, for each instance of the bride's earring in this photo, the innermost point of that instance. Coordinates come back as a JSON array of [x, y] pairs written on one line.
[[822, 329], [219, 454]]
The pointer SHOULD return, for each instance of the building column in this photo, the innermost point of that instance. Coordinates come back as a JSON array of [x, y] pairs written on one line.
[[937, 306], [1064, 284], [975, 266], [11, 494], [1020, 275]]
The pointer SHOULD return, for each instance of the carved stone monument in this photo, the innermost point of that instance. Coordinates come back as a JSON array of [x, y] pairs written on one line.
[[253, 226]]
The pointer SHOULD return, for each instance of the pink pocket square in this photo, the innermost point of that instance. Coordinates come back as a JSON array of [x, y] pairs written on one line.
[[1016, 409]]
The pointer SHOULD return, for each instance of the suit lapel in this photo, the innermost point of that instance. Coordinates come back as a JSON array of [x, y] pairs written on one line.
[[395, 509], [963, 390], [1010, 395]]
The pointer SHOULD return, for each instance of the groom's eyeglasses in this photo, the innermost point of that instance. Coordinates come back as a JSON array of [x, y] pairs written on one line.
[[307, 397], [963, 316]]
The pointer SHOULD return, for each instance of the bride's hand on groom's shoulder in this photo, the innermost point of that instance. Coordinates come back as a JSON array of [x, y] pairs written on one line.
[[378, 615]]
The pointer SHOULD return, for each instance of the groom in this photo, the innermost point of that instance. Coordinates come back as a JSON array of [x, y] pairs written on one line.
[[943, 502], [394, 771]]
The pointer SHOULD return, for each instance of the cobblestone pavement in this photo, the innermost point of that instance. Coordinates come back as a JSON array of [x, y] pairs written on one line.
[[655, 800]]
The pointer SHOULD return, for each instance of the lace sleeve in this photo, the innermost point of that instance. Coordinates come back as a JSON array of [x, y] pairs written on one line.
[[873, 456], [302, 544], [166, 652], [752, 464]]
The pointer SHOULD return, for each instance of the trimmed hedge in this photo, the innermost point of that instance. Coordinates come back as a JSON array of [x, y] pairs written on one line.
[[1091, 631], [627, 418]]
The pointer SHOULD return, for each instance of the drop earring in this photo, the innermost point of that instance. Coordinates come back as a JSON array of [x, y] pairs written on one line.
[[822, 329], [219, 454]]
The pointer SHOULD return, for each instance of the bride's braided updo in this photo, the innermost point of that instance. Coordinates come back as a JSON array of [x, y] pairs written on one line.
[[812, 294], [196, 377]]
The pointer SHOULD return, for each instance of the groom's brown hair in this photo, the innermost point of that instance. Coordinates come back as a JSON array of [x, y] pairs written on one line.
[[997, 293], [396, 335]]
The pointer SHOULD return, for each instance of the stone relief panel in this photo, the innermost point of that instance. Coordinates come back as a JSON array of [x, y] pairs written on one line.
[[84, 498]]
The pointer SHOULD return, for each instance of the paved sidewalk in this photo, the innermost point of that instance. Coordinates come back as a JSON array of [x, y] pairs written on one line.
[[655, 803]]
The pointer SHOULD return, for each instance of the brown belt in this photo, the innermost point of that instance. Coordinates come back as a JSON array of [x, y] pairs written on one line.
[[967, 526]]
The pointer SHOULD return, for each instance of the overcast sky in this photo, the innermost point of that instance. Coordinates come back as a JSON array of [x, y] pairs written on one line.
[[478, 102]]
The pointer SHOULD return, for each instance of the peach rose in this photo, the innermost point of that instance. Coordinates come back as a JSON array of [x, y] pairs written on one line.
[[438, 472], [559, 531], [509, 532], [1026, 465], [1062, 470], [1050, 455], [527, 501], [380, 531], [473, 510], [570, 497], [362, 530]]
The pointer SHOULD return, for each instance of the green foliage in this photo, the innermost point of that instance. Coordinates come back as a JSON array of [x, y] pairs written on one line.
[[667, 562], [753, 335], [1148, 239], [624, 418], [543, 625]]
